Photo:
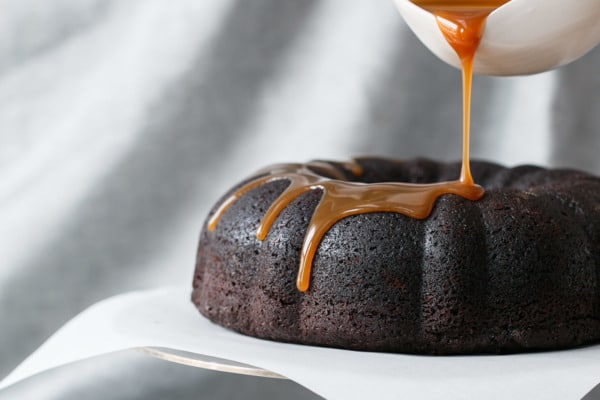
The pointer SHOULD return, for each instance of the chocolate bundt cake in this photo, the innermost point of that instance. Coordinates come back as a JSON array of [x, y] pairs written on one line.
[[517, 270]]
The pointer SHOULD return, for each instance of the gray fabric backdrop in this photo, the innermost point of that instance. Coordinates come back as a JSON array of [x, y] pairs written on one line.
[[121, 122]]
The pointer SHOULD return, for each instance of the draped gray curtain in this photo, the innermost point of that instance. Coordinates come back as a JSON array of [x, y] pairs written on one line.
[[121, 122]]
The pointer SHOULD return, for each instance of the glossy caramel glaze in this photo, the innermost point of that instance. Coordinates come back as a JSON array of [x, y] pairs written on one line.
[[341, 198]]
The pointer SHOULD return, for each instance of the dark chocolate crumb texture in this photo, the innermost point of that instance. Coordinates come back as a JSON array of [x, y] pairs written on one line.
[[515, 269]]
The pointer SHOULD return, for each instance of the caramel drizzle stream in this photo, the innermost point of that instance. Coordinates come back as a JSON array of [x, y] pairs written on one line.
[[341, 199], [462, 22]]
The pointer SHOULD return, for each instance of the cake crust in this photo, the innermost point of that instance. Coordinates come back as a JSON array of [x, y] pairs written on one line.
[[518, 270]]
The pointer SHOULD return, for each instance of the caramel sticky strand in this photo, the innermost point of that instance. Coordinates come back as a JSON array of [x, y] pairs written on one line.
[[462, 23], [341, 199]]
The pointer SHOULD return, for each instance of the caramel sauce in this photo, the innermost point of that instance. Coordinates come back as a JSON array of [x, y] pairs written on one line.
[[341, 198], [462, 22]]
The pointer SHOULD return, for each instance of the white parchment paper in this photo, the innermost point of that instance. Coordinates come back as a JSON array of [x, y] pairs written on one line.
[[166, 318]]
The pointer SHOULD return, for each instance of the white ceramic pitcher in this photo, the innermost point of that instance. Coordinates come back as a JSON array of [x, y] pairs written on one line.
[[521, 37]]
